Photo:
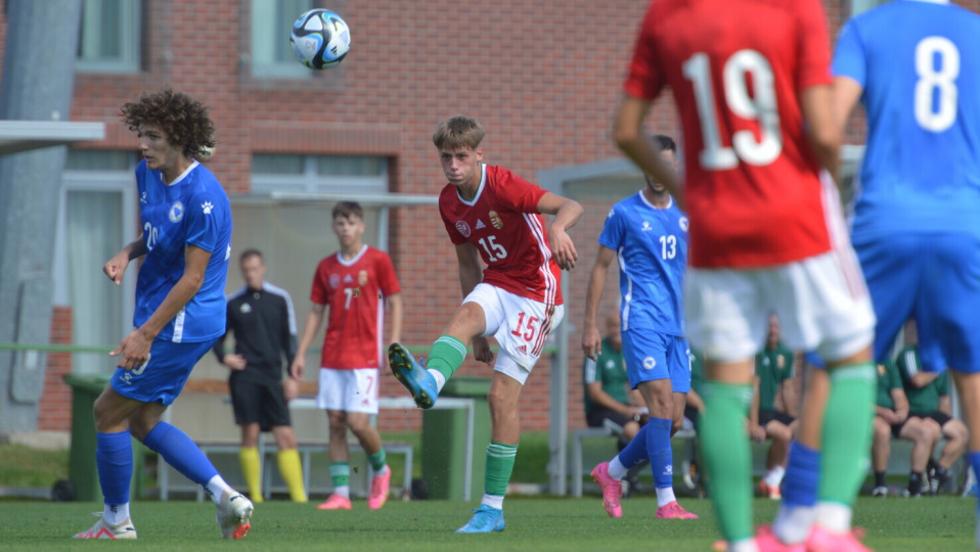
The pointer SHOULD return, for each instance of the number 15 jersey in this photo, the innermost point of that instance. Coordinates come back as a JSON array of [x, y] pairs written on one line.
[[504, 225], [737, 69]]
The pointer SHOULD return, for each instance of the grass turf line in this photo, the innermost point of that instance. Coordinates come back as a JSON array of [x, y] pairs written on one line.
[[944, 523]]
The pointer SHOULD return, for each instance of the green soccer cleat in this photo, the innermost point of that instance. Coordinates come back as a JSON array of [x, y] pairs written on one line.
[[413, 376]]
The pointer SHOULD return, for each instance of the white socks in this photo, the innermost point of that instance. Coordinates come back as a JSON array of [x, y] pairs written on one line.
[[775, 476], [342, 490], [665, 496], [440, 379], [116, 513], [616, 469], [493, 501], [744, 545], [217, 487], [793, 523], [834, 517]]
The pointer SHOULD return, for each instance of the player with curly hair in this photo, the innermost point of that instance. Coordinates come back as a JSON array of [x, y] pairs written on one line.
[[180, 309]]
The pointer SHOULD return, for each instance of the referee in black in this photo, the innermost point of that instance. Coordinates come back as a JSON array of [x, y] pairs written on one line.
[[261, 317]]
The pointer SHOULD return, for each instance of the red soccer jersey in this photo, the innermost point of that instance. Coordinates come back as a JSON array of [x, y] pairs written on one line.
[[504, 225], [736, 69], [354, 291]]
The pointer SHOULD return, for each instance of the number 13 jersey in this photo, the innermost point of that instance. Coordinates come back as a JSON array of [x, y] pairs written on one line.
[[504, 225], [737, 69]]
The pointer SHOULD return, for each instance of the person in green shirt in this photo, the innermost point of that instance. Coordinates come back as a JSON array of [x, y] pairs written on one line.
[[928, 394], [607, 393], [767, 419], [892, 420]]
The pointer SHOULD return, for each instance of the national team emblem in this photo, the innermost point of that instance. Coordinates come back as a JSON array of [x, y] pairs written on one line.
[[646, 227], [683, 223], [176, 212], [649, 363], [480, 225], [463, 228], [362, 278], [495, 220], [334, 280], [246, 308]]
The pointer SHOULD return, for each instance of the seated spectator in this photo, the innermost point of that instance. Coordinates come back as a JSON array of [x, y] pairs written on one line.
[[607, 393], [892, 420], [768, 418], [928, 395]]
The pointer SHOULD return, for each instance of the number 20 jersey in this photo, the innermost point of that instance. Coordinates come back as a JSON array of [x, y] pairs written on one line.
[[919, 66], [736, 69], [503, 224]]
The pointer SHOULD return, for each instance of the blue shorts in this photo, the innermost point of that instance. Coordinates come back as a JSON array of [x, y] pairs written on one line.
[[654, 356], [163, 375], [934, 278]]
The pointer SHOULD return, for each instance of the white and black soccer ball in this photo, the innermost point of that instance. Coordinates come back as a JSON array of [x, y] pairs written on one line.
[[320, 38]]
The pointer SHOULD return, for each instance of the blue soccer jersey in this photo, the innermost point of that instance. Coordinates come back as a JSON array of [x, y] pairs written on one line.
[[193, 210], [651, 244], [919, 66]]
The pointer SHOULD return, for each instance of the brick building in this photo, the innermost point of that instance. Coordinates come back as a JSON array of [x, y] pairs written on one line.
[[543, 77]]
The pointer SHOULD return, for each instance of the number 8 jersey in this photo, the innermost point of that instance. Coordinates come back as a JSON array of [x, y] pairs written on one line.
[[503, 224], [737, 69]]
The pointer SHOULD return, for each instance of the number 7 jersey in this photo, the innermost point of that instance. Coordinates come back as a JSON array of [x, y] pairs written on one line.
[[504, 225], [736, 69]]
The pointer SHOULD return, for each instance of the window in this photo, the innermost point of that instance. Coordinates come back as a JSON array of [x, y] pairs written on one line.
[[319, 173], [272, 21], [860, 6], [109, 39]]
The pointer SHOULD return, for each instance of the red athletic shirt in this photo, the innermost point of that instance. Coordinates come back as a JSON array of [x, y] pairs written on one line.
[[354, 291], [504, 225], [736, 69]]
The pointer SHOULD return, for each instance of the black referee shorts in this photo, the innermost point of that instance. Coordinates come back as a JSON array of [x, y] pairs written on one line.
[[261, 403], [766, 416], [940, 417]]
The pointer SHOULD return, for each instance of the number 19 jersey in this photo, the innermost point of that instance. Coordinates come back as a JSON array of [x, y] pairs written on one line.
[[919, 66], [736, 69], [503, 224]]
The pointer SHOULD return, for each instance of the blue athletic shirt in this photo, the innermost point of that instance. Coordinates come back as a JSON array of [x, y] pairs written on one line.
[[919, 65], [651, 244], [194, 210]]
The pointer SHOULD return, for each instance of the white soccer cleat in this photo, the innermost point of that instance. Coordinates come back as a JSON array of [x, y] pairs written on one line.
[[234, 516], [103, 530]]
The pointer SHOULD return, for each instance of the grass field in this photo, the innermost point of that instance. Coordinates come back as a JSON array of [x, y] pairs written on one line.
[[932, 524]]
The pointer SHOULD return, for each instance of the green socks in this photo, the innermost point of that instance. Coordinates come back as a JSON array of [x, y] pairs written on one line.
[[446, 355], [727, 456], [377, 460], [340, 478], [847, 432], [500, 465]]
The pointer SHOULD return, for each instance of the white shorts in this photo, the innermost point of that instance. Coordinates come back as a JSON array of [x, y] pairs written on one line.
[[822, 304], [348, 390], [520, 325]]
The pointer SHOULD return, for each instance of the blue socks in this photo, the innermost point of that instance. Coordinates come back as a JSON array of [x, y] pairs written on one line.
[[636, 451], [180, 452], [659, 451], [114, 459], [975, 462], [802, 477]]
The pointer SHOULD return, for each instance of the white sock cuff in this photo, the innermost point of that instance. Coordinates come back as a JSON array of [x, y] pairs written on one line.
[[440, 379], [616, 468], [493, 501], [218, 487], [834, 517]]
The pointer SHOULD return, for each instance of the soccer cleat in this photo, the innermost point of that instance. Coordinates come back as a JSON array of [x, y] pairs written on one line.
[[335, 502], [103, 530], [880, 490], [772, 491], [611, 490], [766, 541], [234, 516], [379, 490], [673, 510], [486, 519], [822, 540], [413, 376]]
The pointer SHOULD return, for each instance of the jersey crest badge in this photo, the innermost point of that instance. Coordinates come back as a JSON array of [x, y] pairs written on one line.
[[246, 308], [362, 278], [495, 220], [682, 222], [176, 212], [463, 228], [334, 280], [649, 363], [480, 225]]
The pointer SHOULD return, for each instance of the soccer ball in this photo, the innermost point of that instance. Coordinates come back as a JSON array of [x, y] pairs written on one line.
[[320, 38]]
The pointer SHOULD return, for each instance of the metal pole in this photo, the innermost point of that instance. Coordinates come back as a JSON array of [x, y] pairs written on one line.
[[37, 84], [558, 433]]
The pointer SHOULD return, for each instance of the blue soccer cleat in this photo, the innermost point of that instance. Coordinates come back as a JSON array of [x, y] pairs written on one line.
[[486, 519], [413, 376]]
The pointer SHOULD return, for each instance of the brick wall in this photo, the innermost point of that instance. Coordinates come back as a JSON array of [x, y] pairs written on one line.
[[543, 77], [55, 411]]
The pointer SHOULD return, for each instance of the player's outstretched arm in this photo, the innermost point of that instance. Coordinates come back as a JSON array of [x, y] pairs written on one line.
[[822, 129], [591, 340], [636, 145], [115, 267], [313, 321], [566, 212]]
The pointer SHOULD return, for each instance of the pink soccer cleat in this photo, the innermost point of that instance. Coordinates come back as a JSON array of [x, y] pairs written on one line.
[[379, 490], [822, 540], [611, 490], [767, 541], [673, 510], [335, 502]]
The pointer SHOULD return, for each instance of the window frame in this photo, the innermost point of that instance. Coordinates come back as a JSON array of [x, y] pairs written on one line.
[[131, 43], [291, 70]]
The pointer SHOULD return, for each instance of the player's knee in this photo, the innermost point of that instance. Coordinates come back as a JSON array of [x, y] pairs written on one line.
[[881, 429], [140, 425], [337, 420]]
